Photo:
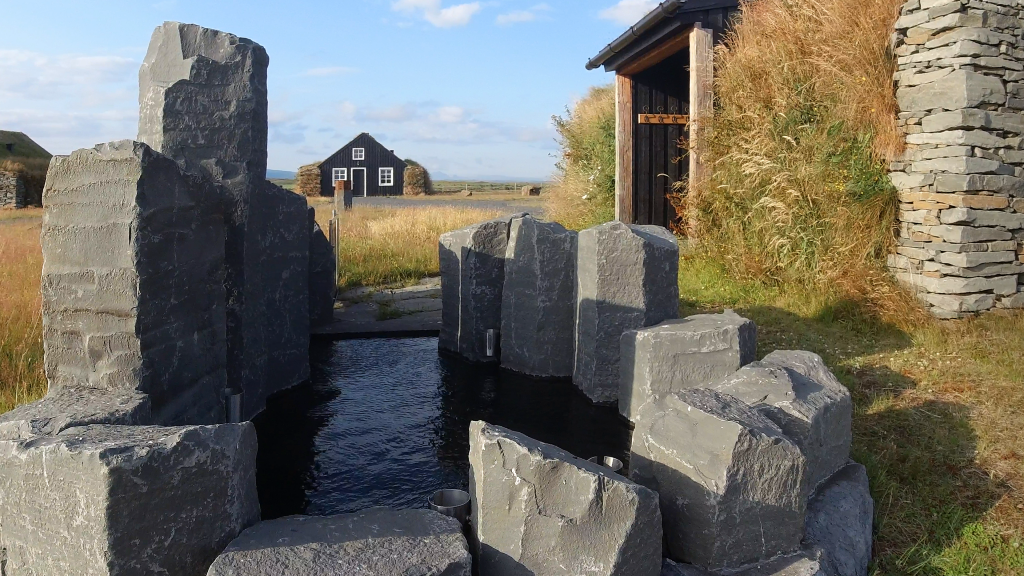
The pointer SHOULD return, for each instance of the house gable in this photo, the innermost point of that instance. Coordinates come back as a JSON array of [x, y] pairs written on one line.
[[375, 157]]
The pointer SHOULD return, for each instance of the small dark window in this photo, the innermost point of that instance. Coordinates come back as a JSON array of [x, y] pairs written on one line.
[[10, 146]]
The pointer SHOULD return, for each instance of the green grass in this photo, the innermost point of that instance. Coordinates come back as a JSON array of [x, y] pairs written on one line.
[[287, 184], [24, 147], [937, 415]]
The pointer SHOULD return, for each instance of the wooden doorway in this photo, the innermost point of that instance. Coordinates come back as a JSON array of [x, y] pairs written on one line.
[[359, 182]]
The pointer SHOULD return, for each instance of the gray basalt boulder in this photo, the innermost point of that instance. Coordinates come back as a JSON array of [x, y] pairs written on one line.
[[203, 103], [133, 291], [799, 564], [472, 278], [373, 542], [128, 500], [66, 408], [797, 391], [538, 299], [539, 510], [627, 278], [693, 352], [323, 275], [731, 483], [839, 522]]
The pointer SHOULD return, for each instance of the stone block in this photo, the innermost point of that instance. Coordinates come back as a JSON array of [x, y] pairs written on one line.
[[627, 278], [795, 390], [990, 218], [724, 472], [993, 269], [960, 165], [323, 275], [539, 299], [126, 499], [693, 352], [65, 408], [982, 35], [1008, 185], [967, 234], [960, 89], [969, 259], [373, 542], [1014, 301], [1000, 285], [979, 138], [799, 564], [539, 510], [952, 303], [472, 279], [839, 521], [133, 282], [203, 102]]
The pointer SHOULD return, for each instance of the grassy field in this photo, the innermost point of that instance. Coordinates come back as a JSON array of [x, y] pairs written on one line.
[[382, 246], [21, 336]]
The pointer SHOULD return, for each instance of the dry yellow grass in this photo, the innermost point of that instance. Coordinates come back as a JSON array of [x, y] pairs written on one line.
[[803, 128], [381, 246], [21, 340]]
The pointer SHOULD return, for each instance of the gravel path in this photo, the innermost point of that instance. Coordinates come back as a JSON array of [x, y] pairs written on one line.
[[398, 202]]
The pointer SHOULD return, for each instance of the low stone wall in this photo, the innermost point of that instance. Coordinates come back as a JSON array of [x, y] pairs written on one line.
[[12, 191], [961, 182]]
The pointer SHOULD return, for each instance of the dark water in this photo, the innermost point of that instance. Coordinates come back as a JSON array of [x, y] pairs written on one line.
[[386, 422]]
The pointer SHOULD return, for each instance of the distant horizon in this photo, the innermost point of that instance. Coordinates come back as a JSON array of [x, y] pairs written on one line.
[[467, 88]]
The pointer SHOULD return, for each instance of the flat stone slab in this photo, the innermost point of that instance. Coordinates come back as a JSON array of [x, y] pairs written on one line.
[[129, 500], [800, 564], [539, 510], [373, 542], [359, 312], [839, 521], [72, 407]]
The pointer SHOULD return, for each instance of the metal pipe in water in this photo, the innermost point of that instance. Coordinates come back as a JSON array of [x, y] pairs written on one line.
[[492, 342], [232, 405]]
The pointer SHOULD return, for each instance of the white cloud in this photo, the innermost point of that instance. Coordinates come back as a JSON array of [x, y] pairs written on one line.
[[628, 12], [516, 17], [431, 11], [329, 71], [35, 76]]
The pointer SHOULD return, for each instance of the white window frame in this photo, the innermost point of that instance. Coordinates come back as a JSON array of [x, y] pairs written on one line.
[[389, 180], [359, 153], [339, 174]]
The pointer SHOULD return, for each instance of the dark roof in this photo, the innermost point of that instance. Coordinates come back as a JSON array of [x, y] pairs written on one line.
[[668, 17]]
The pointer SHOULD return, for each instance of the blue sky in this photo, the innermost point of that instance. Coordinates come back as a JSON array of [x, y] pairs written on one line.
[[466, 88]]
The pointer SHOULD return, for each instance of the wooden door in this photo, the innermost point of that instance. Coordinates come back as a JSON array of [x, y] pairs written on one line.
[[358, 181], [659, 155]]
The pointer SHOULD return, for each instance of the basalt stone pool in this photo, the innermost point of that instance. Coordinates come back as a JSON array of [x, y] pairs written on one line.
[[385, 422]]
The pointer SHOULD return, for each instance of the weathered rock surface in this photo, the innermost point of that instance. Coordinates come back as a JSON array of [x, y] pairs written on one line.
[[539, 510], [323, 275], [65, 408], [472, 278], [800, 564], [839, 522], [373, 542], [797, 392], [693, 352], [133, 282], [627, 278], [725, 474], [538, 299], [129, 500], [203, 102]]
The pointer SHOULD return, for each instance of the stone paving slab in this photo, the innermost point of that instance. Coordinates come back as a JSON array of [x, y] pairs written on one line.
[[369, 312]]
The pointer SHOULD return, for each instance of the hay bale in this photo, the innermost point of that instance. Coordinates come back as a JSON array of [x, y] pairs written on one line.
[[307, 180], [417, 180]]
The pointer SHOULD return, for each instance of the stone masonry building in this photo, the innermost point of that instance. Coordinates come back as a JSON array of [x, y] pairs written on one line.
[[960, 92], [12, 191]]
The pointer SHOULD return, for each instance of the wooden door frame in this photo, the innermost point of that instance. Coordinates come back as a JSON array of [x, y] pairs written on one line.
[[701, 45], [366, 183]]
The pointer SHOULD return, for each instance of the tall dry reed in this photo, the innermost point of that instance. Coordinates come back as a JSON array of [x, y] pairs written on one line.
[[803, 128], [584, 190], [21, 337]]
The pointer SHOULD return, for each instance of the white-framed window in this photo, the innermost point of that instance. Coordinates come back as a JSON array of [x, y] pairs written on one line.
[[358, 153], [339, 174], [387, 177]]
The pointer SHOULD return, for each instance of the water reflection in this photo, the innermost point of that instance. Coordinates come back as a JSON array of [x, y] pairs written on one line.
[[386, 422]]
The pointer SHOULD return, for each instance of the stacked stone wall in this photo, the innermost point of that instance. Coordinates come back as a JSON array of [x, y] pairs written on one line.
[[12, 191], [960, 91]]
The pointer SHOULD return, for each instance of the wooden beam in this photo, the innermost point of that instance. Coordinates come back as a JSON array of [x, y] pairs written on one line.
[[701, 94], [624, 149], [657, 54]]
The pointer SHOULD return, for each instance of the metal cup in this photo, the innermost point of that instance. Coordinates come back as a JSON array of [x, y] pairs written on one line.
[[454, 503], [613, 464]]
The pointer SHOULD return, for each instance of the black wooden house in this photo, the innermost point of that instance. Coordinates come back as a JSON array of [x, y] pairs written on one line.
[[663, 86], [372, 169]]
